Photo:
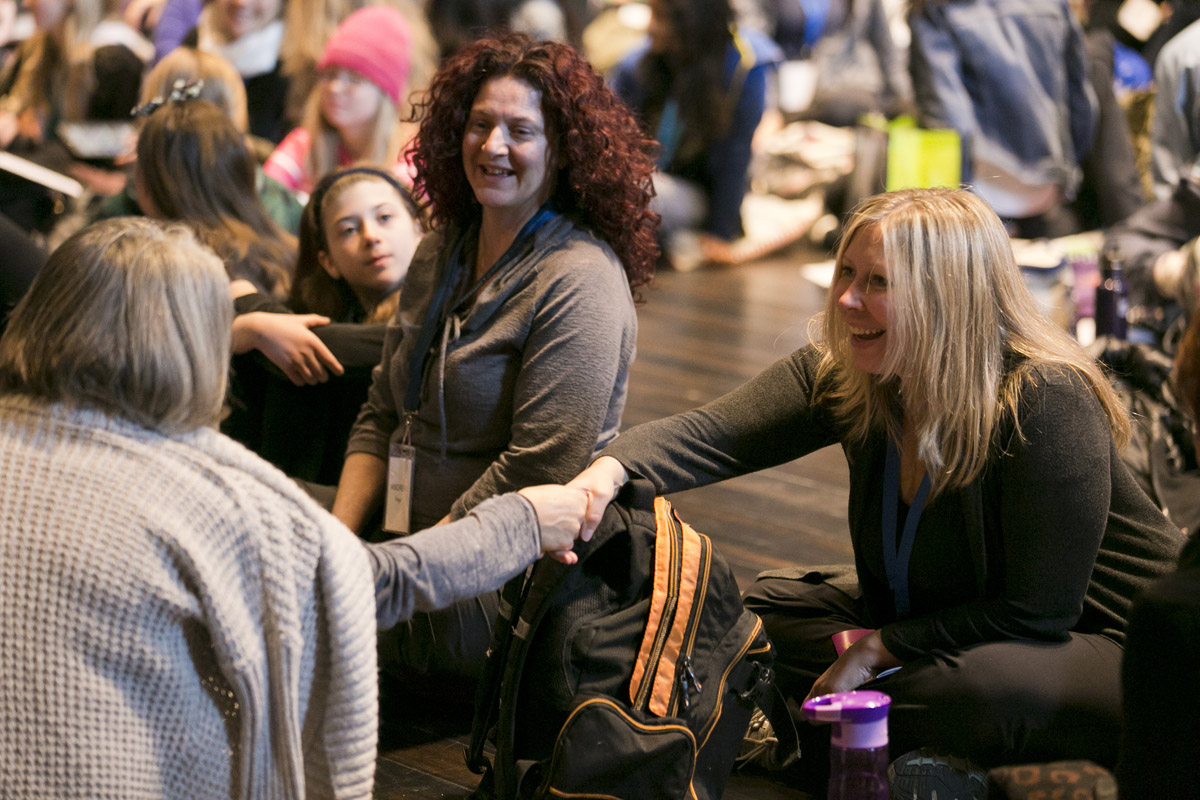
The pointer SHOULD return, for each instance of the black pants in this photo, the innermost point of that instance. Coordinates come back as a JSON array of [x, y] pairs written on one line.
[[450, 642], [1160, 754], [995, 703]]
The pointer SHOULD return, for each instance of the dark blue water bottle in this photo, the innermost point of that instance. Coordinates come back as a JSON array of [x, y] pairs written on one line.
[[1112, 304]]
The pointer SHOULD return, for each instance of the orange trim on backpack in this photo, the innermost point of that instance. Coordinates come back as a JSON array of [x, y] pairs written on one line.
[[689, 572], [658, 595]]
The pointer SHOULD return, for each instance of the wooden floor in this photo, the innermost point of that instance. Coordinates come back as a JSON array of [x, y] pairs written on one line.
[[700, 334]]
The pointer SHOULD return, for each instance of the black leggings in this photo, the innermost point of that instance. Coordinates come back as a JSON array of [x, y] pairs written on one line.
[[1006, 702]]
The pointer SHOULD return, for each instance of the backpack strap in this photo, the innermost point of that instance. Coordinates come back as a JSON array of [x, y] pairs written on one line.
[[524, 602], [487, 691], [755, 685], [543, 582]]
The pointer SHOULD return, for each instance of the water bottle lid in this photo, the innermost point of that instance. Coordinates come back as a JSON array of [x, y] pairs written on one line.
[[859, 718]]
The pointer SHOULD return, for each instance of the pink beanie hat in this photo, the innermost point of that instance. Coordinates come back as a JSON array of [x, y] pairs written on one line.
[[374, 42]]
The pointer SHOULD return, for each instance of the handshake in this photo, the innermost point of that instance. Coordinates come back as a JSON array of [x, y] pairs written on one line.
[[574, 510]]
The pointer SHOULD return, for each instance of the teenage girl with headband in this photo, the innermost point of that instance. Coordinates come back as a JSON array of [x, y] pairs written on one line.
[[357, 237], [358, 233]]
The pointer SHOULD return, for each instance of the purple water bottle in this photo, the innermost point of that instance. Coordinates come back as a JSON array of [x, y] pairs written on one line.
[[858, 751]]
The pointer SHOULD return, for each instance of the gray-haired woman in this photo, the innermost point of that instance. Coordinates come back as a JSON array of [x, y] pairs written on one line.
[[178, 618]]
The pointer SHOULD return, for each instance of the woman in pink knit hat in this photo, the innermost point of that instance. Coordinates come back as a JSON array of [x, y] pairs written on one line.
[[352, 113]]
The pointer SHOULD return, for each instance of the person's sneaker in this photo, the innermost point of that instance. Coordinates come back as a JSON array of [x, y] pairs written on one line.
[[929, 774], [760, 745]]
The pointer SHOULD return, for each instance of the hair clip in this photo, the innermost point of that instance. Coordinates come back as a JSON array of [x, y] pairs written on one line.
[[181, 91]]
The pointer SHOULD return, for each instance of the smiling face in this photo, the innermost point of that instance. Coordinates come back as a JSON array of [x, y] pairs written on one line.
[[349, 101], [236, 18], [861, 290], [506, 154], [370, 239]]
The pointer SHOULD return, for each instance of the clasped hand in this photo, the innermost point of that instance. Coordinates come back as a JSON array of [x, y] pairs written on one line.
[[560, 513], [602, 480]]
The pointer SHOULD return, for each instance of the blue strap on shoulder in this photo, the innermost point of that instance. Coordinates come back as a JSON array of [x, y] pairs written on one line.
[[896, 556]]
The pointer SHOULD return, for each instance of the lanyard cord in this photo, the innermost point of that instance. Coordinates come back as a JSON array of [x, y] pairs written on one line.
[[442, 307], [897, 555]]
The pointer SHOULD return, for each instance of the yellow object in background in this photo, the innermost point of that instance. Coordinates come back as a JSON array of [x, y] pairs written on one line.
[[920, 157]]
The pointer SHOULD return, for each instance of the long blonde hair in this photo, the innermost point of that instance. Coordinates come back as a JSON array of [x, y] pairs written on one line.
[[388, 136], [959, 312]]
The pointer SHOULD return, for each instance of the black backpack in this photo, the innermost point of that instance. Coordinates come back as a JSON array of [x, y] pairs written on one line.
[[630, 675]]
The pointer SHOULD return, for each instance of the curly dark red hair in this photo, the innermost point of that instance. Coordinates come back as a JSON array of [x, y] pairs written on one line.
[[608, 161]]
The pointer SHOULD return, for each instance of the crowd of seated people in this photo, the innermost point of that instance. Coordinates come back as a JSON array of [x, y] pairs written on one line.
[[396, 253]]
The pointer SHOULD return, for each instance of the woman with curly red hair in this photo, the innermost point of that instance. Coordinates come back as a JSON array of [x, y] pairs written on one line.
[[507, 362]]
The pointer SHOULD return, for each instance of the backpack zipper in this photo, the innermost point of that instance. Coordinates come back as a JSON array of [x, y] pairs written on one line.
[[668, 617], [688, 683]]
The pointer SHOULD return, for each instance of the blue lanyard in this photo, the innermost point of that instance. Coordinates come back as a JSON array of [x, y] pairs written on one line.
[[668, 134], [896, 557], [442, 307]]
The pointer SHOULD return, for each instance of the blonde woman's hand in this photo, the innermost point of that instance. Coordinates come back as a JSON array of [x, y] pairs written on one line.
[[601, 480], [560, 511], [858, 664], [288, 341]]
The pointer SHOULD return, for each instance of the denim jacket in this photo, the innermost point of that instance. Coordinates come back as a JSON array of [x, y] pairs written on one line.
[[1011, 77], [1175, 127]]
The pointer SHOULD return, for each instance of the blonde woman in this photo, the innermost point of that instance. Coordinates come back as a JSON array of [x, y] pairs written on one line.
[[998, 537], [310, 24], [179, 619], [352, 113]]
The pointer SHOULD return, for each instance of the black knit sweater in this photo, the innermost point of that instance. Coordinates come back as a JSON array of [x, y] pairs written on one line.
[[1055, 536]]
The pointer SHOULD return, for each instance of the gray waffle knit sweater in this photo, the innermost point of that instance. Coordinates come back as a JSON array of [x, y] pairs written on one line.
[[178, 619]]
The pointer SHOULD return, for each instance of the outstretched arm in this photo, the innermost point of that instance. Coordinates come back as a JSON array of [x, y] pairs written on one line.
[[497, 540], [771, 419]]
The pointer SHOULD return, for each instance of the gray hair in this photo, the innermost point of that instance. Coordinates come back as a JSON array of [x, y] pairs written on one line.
[[130, 317]]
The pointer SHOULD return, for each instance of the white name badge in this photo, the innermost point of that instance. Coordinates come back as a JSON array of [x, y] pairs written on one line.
[[398, 508]]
